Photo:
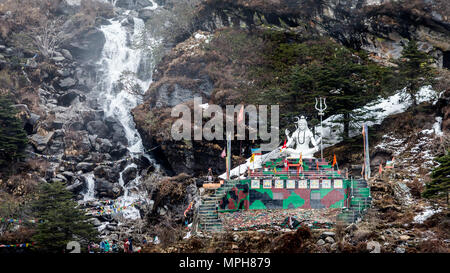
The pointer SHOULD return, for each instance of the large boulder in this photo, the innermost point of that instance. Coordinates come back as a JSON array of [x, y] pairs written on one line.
[[118, 152], [118, 131], [88, 45], [129, 174], [97, 127], [109, 173], [133, 4], [76, 187], [85, 167], [66, 83], [107, 189], [103, 145], [91, 115], [67, 98], [145, 13], [41, 142], [66, 53]]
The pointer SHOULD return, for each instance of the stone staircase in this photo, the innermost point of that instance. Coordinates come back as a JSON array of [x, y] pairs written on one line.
[[359, 203], [209, 220]]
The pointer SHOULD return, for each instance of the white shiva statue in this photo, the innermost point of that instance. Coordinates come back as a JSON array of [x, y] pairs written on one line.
[[300, 140]]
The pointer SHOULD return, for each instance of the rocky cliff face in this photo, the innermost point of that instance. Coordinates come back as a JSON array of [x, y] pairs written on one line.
[[380, 27], [197, 68], [71, 137]]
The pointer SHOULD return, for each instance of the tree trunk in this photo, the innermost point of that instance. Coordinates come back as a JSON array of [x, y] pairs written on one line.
[[347, 125]]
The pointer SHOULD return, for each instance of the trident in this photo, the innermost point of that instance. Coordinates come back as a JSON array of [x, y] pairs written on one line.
[[321, 109]]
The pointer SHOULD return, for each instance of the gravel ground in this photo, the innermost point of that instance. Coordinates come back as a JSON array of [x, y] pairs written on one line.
[[254, 219]]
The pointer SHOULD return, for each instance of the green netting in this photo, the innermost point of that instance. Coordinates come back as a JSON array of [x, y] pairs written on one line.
[[293, 199]]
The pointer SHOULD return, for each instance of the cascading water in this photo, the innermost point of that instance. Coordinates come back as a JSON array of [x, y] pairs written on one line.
[[121, 59], [89, 195]]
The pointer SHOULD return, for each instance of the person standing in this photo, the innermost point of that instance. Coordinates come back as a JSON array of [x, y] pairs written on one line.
[[126, 246], [131, 244], [107, 248], [102, 246], [114, 247]]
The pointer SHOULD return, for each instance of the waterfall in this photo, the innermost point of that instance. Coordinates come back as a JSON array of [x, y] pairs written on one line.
[[119, 58], [89, 194], [120, 62]]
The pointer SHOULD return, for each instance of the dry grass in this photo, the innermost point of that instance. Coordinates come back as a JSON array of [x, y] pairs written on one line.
[[38, 165], [20, 184]]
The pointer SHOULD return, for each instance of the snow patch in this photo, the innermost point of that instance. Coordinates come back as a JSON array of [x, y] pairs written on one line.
[[437, 126], [424, 215]]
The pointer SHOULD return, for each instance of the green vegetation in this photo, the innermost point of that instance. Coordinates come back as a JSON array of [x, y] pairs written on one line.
[[299, 71], [272, 67], [415, 69], [440, 184], [13, 138], [62, 220]]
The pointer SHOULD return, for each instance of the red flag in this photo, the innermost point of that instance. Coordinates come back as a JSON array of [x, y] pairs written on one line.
[[223, 154], [334, 161], [317, 164], [284, 145]]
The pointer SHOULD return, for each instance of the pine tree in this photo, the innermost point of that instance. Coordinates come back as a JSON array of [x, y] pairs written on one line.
[[415, 69], [61, 221], [347, 80], [13, 138], [440, 183]]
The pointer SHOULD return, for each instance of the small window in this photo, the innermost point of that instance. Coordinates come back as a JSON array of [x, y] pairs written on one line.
[[326, 184], [314, 184], [303, 184], [290, 184], [267, 184], [256, 184], [279, 184]]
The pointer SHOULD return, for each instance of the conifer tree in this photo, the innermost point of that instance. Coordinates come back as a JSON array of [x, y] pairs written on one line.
[[61, 221], [415, 69], [347, 80], [440, 183], [13, 137]]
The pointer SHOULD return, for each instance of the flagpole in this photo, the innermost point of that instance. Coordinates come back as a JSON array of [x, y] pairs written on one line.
[[321, 110]]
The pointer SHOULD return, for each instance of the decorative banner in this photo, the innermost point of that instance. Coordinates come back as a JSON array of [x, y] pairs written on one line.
[[326, 184], [279, 184], [256, 184], [267, 184], [18, 245], [338, 184], [303, 184], [19, 221], [290, 184], [314, 184]]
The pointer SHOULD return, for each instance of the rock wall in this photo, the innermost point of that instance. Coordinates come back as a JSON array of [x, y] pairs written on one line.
[[380, 27]]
